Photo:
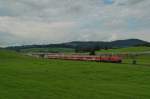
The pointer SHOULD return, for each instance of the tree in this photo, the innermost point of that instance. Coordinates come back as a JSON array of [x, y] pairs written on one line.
[[92, 52]]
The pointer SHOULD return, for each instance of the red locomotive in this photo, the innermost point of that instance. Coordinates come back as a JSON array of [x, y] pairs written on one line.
[[113, 59]]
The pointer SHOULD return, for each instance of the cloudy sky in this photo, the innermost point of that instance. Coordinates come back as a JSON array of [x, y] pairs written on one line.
[[55, 21]]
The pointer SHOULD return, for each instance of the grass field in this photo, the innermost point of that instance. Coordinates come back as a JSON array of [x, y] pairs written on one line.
[[64, 50], [128, 49], [23, 77], [70, 50]]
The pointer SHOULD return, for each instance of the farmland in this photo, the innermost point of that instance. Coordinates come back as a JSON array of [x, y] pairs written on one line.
[[126, 49], [71, 50], [25, 77], [64, 50]]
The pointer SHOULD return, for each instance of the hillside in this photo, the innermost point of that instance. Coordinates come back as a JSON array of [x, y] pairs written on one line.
[[48, 49], [126, 50], [23, 77], [80, 45]]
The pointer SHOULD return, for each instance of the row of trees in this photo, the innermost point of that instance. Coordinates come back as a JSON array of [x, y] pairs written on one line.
[[91, 50]]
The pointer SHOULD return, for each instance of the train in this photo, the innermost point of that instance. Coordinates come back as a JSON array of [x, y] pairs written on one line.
[[112, 58]]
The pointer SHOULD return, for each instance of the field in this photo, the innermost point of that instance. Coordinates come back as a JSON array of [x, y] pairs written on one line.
[[71, 50], [127, 49], [64, 50], [23, 77]]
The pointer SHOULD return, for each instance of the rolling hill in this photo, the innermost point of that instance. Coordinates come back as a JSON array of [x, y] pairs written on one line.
[[23, 77], [126, 50], [83, 45]]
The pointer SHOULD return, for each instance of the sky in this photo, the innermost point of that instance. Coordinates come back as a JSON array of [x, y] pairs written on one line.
[[26, 22]]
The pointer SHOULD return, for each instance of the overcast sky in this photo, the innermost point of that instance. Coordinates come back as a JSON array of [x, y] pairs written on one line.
[[55, 21]]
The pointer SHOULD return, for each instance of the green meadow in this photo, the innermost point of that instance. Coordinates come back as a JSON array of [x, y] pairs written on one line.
[[64, 50], [23, 77], [126, 49]]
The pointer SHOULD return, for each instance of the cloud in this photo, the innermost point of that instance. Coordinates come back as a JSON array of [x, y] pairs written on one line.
[[108, 1], [52, 21], [35, 30]]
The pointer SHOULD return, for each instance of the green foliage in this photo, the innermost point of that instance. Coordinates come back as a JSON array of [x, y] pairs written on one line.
[[23, 77], [92, 52], [146, 44]]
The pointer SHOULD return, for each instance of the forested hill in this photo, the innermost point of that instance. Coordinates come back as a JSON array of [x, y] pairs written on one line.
[[87, 44]]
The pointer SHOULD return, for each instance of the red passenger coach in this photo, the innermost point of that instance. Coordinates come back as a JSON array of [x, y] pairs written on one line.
[[113, 59], [116, 59]]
